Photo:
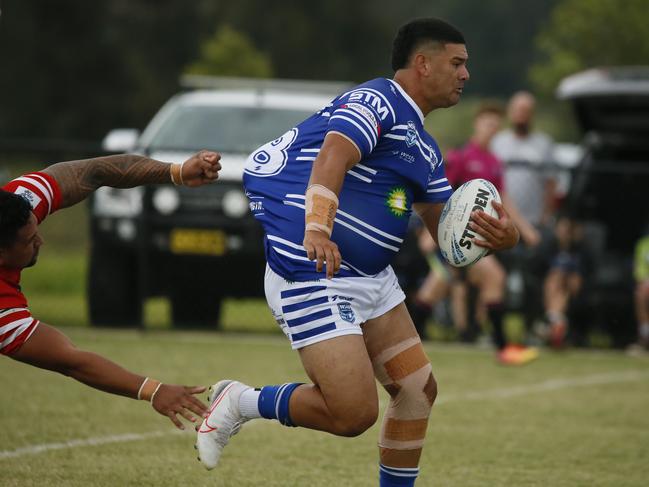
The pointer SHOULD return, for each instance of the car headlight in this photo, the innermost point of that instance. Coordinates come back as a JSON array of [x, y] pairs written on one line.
[[126, 230], [166, 200], [117, 203], [235, 204]]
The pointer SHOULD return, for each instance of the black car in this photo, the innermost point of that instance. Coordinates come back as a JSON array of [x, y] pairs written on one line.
[[610, 188]]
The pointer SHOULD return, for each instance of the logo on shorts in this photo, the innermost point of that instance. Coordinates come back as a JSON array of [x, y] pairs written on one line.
[[341, 297], [346, 312]]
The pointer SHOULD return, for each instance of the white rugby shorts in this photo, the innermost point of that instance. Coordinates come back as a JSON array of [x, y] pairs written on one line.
[[312, 311]]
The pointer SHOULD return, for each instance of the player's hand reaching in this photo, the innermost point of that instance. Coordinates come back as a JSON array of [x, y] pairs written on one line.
[[201, 168], [498, 233], [320, 248], [171, 400]]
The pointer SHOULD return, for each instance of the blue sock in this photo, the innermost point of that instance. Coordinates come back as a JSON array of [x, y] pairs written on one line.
[[393, 476], [273, 402]]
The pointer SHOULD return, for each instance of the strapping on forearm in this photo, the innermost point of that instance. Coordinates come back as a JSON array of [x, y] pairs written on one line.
[[320, 208], [176, 171]]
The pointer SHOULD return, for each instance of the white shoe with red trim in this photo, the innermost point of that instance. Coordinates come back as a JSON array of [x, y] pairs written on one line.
[[224, 421]]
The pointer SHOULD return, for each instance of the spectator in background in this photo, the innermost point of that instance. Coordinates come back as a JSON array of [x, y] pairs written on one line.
[[527, 156], [528, 161], [564, 282], [439, 284], [641, 275], [473, 161]]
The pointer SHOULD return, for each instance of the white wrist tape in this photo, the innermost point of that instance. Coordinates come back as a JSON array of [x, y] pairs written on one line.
[[320, 208], [139, 391], [155, 392], [147, 389], [176, 171]]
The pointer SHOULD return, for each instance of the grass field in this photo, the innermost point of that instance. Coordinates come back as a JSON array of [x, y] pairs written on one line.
[[580, 418], [570, 419]]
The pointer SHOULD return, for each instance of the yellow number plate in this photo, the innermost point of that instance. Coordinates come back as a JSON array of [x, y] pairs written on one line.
[[193, 241]]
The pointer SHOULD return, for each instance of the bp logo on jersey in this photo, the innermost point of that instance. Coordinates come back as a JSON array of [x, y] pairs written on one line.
[[346, 312], [397, 202], [411, 134]]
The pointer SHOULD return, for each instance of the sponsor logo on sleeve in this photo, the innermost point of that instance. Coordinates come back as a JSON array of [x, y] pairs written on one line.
[[365, 112], [372, 100], [29, 195]]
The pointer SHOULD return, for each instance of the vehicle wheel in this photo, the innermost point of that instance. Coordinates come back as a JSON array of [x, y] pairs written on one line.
[[113, 294]]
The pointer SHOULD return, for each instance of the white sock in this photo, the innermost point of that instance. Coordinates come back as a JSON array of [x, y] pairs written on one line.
[[248, 403]]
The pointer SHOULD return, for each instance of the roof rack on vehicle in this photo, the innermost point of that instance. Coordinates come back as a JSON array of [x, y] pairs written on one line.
[[605, 81], [197, 81]]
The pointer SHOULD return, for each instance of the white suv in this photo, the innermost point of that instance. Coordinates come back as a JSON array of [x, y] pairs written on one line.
[[195, 245]]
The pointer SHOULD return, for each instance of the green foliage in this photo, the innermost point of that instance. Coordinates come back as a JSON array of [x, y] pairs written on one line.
[[231, 53], [77, 69], [588, 33]]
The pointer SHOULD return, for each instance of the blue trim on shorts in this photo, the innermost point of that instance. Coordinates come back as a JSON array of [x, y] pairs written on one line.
[[300, 291], [313, 332], [304, 304], [307, 318]]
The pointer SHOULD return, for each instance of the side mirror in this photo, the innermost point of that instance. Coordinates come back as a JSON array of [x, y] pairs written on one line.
[[120, 140]]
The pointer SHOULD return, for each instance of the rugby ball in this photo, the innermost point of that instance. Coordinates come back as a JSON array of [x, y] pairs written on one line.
[[453, 233]]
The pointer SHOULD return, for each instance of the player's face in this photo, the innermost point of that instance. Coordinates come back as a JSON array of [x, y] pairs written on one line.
[[24, 251], [447, 75]]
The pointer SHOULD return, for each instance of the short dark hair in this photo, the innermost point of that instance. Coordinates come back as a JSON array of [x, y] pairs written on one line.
[[490, 106], [14, 214], [416, 32]]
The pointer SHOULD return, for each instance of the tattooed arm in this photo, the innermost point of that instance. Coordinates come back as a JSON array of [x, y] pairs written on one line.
[[77, 179]]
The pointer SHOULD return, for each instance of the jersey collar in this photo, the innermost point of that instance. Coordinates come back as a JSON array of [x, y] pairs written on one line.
[[408, 99]]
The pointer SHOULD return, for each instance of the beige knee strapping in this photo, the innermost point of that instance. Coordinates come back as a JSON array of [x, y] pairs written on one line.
[[405, 372]]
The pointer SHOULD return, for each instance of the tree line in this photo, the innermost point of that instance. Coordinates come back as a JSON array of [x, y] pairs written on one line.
[[76, 69]]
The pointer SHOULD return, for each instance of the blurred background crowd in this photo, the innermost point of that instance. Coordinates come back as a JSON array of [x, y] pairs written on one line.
[[72, 71]]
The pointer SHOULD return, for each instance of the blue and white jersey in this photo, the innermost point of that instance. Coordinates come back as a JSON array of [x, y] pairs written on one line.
[[400, 165]]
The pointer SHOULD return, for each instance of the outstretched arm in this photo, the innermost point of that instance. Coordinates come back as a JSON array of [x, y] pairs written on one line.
[[50, 349], [78, 179]]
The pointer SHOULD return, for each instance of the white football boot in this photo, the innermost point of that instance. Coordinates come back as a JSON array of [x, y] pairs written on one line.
[[224, 421]]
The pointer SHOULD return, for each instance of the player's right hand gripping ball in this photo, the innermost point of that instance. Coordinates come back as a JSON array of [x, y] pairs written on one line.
[[454, 235]]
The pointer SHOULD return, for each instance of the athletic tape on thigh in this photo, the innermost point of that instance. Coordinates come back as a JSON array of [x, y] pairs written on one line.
[[406, 373]]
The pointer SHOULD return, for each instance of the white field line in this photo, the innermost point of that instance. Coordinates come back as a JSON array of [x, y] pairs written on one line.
[[100, 440], [500, 393], [547, 386]]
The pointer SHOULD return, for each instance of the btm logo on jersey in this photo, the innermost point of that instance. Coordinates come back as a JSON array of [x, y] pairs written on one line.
[[373, 100]]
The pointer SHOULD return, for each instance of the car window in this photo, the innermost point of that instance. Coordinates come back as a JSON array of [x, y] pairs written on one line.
[[226, 129]]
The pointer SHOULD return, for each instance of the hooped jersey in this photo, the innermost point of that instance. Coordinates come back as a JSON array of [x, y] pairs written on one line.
[[400, 164], [16, 322]]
